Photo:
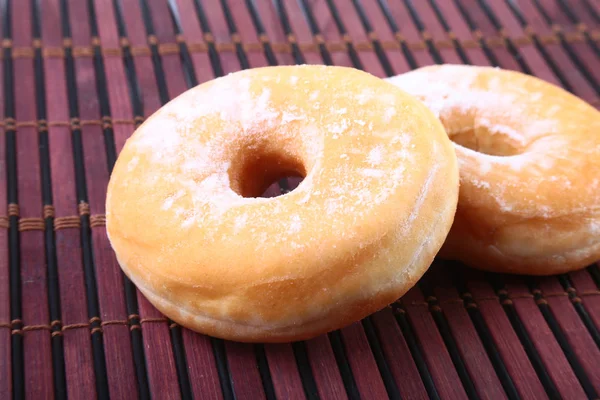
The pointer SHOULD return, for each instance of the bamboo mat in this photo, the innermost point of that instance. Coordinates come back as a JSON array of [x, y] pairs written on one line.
[[80, 75]]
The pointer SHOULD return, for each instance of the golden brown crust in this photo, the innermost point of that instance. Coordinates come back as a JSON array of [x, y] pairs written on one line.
[[375, 206], [529, 157]]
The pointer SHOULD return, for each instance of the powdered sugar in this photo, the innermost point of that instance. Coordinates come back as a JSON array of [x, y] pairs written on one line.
[[528, 141], [372, 173], [364, 96], [452, 93], [338, 127], [163, 141], [332, 205], [507, 131], [168, 203], [245, 116], [295, 224], [481, 184], [289, 117], [594, 226], [132, 163], [260, 112], [416, 209], [375, 156], [389, 114], [239, 223]]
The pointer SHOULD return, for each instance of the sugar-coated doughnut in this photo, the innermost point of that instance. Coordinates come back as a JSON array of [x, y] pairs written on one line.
[[377, 201], [529, 159]]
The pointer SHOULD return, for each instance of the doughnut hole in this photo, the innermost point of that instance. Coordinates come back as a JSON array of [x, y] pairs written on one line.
[[485, 138], [266, 172]]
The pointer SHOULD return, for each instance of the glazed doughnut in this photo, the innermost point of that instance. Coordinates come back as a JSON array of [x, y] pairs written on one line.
[[377, 201], [529, 159]]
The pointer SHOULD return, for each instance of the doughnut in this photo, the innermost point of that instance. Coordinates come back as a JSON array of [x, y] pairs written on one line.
[[189, 228], [529, 161]]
